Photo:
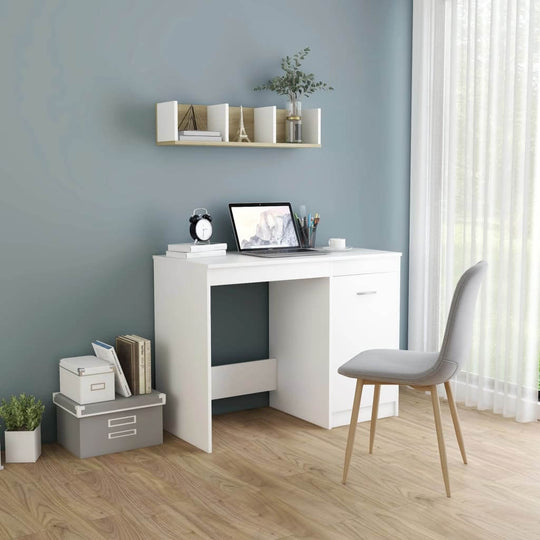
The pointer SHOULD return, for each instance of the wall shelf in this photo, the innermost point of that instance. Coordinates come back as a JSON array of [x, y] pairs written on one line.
[[265, 126], [243, 144]]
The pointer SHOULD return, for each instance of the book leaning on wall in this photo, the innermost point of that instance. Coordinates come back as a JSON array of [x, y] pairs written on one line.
[[145, 363], [127, 351], [135, 355], [106, 352]]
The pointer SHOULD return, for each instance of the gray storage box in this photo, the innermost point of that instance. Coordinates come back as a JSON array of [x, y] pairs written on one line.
[[110, 426]]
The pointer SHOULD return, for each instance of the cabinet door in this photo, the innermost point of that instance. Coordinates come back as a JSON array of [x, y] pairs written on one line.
[[365, 315]]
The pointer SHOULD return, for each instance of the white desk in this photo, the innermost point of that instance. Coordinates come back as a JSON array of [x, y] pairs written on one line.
[[323, 310]]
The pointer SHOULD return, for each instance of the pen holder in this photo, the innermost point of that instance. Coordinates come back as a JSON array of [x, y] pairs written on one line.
[[307, 235]]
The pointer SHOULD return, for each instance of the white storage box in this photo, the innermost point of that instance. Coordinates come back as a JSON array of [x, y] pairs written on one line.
[[86, 379]]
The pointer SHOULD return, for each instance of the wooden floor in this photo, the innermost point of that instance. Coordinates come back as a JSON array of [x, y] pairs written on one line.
[[274, 476]]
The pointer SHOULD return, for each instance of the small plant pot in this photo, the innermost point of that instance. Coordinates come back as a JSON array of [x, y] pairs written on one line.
[[23, 446]]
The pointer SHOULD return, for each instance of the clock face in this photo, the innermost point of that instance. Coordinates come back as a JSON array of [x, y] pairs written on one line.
[[203, 230]]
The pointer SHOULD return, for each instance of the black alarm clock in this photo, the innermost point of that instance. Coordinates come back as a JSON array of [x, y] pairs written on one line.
[[200, 225]]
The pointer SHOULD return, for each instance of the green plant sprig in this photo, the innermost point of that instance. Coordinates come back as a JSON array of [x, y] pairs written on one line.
[[22, 413], [294, 82]]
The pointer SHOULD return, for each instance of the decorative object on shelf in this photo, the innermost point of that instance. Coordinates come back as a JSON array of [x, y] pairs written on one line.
[[200, 227], [22, 418], [294, 84], [189, 121], [242, 136], [293, 129], [293, 121]]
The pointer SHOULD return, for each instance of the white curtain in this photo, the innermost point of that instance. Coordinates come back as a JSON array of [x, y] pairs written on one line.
[[475, 190]]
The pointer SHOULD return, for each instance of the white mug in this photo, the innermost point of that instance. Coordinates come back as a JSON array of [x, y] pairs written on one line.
[[337, 243]]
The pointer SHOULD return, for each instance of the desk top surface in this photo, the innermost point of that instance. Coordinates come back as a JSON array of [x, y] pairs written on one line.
[[235, 259], [234, 268]]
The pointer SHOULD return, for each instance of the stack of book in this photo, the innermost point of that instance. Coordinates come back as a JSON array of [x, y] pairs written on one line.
[[200, 136], [135, 357], [188, 251]]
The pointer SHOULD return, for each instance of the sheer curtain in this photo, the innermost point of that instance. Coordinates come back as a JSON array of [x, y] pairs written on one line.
[[475, 190]]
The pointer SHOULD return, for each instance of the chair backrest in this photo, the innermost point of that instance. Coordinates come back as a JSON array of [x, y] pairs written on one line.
[[458, 334]]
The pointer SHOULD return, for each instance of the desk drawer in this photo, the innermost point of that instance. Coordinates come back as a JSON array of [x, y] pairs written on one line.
[[369, 265], [365, 312]]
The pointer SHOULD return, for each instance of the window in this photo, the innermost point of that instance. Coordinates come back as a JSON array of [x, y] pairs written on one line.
[[478, 117]]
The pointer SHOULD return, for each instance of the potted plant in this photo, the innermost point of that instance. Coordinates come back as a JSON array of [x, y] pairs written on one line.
[[295, 84], [22, 418]]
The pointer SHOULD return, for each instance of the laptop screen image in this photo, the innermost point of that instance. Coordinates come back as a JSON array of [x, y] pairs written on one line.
[[263, 226]]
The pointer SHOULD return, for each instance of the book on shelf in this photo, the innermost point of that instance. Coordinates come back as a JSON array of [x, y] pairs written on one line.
[[140, 361], [148, 364], [199, 138], [200, 133], [192, 248], [181, 255], [145, 366], [126, 350], [106, 352]]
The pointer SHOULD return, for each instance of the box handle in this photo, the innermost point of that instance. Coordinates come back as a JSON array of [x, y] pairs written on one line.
[[97, 386], [122, 421], [125, 433]]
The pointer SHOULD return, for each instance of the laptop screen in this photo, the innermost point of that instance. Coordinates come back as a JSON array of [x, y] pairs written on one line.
[[263, 226]]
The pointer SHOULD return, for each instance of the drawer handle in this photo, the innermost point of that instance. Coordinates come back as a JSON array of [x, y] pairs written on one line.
[[125, 433], [97, 386], [365, 293], [122, 421]]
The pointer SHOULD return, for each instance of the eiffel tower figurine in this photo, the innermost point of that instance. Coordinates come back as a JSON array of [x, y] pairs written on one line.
[[242, 136]]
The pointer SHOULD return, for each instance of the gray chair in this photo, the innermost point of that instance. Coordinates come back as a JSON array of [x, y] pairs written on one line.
[[421, 370]]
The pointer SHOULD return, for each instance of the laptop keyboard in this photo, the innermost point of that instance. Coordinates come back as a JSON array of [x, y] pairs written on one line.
[[300, 252]]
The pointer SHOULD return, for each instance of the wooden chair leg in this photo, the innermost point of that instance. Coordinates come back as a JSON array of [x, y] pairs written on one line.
[[440, 437], [352, 427], [374, 413], [455, 420]]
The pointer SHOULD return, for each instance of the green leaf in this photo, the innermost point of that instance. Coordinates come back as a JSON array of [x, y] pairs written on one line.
[[22, 413], [294, 82]]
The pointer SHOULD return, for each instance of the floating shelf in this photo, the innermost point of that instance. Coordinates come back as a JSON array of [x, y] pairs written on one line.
[[264, 125], [243, 144]]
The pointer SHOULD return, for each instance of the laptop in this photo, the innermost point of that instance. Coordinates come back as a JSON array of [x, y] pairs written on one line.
[[267, 230]]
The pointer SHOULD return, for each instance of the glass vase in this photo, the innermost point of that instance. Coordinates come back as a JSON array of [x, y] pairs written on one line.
[[294, 107], [293, 122]]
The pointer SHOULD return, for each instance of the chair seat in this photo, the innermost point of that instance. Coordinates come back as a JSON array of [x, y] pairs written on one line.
[[398, 367]]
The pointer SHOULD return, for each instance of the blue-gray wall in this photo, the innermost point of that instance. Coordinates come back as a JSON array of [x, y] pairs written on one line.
[[87, 197]]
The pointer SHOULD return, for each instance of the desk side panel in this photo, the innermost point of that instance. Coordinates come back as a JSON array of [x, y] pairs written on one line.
[[182, 343], [299, 340]]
